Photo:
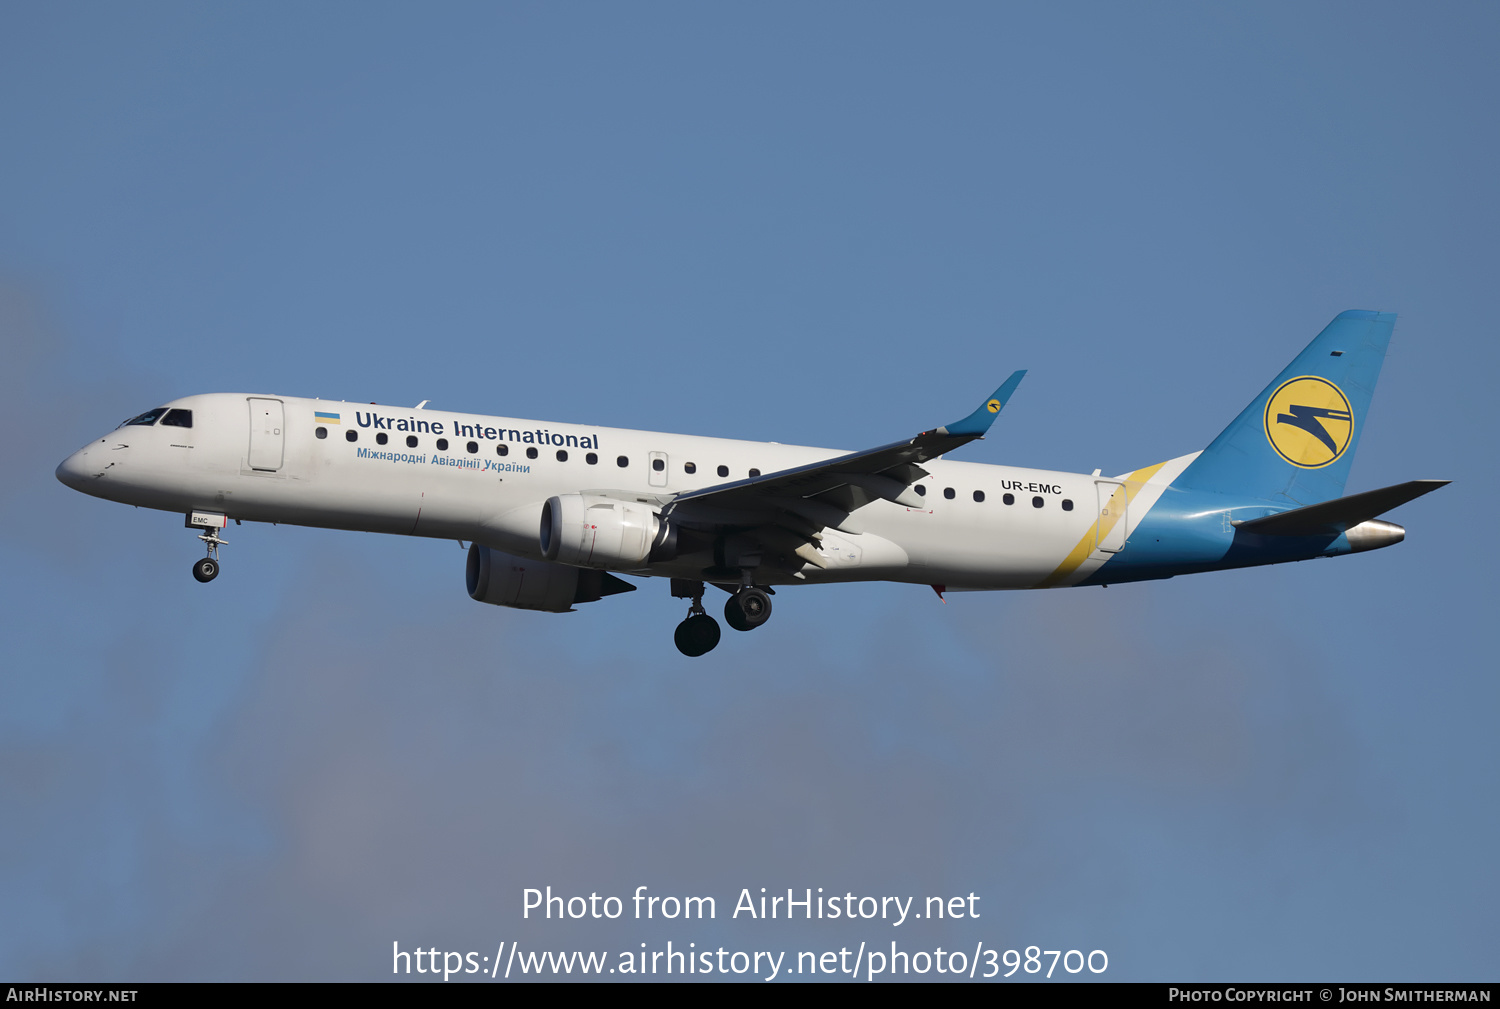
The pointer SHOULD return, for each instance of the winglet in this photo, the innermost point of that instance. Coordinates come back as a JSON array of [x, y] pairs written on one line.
[[978, 422]]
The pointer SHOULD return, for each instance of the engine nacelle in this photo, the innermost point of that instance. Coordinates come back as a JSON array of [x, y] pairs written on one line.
[[502, 579], [597, 531]]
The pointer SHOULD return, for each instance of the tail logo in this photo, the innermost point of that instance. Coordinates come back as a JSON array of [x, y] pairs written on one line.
[[1308, 422], [993, 406]]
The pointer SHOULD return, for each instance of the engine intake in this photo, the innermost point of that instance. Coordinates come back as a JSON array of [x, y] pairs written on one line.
[[598, 532]]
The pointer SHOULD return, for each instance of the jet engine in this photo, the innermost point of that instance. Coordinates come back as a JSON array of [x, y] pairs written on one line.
[[502, 579], [598, 532]]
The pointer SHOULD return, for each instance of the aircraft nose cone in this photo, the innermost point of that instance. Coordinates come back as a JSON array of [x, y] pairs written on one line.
[[73, 471]]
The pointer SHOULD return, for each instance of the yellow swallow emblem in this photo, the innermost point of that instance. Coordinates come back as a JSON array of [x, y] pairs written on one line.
[[1309, 422], [993, 406]]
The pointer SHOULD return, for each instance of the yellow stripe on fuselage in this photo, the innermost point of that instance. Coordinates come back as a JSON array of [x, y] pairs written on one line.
[[1101, 527]]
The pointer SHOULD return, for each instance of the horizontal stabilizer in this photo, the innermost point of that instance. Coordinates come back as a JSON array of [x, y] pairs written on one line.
[[1333, 517]]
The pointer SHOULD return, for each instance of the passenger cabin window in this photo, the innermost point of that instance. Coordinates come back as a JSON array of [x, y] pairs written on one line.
[[351, 435], [754, 471], [1009, 499], [502, 449], [592, 458], [411, 441], [178, 418], [979, 495], [1037, 502], [723, 471], [658, 464], [381, 438], [531, 452], [920, 490], [562, 455], [321, 432], [442, 444], [948, 493], [622, 462], [1067, 505], [690, 467], [472, 447], [146, 419]]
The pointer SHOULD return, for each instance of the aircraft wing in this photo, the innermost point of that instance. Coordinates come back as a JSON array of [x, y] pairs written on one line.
[[805, 499]]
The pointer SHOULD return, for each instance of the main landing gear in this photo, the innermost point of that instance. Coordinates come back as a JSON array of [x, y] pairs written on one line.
[[745, 610], [207, 569], [699, 633]]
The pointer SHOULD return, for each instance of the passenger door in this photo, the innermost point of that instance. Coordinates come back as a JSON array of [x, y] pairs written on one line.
[[267, 443]]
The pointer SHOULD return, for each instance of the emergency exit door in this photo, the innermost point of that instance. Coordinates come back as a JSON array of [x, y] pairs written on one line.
[[657, 476], [1111, 528]]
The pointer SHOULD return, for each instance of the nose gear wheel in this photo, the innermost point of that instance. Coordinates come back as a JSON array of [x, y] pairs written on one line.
[[207, 569]]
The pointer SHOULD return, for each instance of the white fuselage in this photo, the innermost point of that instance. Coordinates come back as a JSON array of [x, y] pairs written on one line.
[[459, 476]]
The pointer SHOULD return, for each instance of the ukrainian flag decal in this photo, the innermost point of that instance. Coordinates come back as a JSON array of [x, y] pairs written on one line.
[[326, 418], [1308, 422]]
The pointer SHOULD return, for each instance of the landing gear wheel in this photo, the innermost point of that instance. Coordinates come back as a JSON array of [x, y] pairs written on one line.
[[207, 569], [697, 635], [747, 609]]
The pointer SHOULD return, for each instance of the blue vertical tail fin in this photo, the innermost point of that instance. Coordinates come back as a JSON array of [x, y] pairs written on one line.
[[1296, 440]]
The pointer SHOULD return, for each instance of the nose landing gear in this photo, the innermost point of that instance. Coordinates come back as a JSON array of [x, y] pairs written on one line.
[[207, 569]]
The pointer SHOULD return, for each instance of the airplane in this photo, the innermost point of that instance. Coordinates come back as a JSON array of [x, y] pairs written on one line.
[[554, 513]]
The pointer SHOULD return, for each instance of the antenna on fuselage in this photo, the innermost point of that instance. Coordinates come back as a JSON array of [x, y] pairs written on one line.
[[421, 404]]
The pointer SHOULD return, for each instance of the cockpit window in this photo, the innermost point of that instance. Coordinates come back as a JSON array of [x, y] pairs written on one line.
[[178, 418], [146, 419]]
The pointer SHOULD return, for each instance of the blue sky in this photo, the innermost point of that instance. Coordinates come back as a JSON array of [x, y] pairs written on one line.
[[833, 224]]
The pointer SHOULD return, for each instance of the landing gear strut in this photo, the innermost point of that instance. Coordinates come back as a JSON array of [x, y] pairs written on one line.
[[207, 569], [699, 633]]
